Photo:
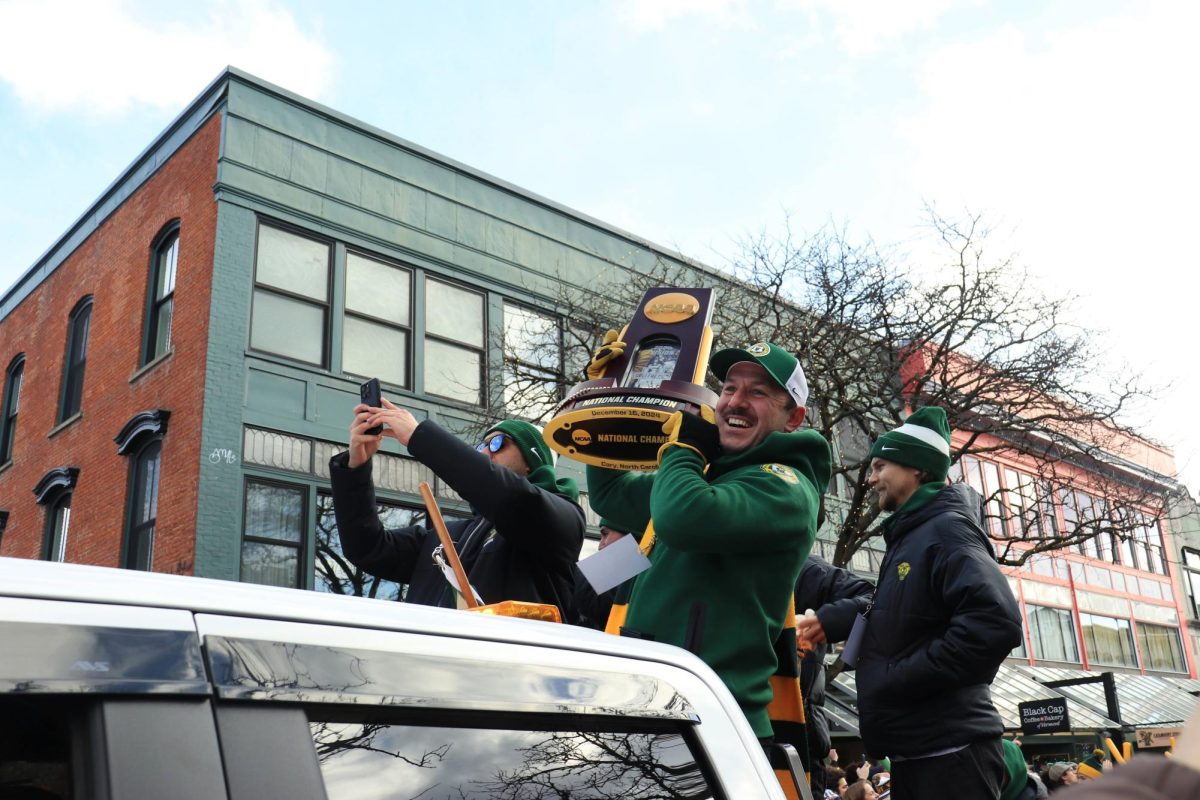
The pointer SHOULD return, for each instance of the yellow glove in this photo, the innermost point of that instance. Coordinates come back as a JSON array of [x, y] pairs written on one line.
[[610, 348]]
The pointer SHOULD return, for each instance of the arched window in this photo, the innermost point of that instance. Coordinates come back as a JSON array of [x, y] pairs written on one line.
[[141, 439], [12, 402], [160, 305], [54, 492], [76, 359]]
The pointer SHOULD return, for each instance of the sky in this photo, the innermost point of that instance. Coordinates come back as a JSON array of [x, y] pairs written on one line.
[[1071, 126]]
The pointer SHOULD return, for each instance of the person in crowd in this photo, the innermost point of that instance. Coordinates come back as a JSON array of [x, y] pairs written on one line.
[[1018, 783], [1060, 775], [834, 594], [591, 610], [941, 621], [734, 513], [1092, 766], [835, 782], [526, 531], [861, 790]]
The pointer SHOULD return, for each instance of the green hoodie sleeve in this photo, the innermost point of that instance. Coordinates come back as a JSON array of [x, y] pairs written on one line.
[[621, 497], [755, 508]]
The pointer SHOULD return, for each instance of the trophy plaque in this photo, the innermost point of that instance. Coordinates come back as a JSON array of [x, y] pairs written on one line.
[[616, 421]]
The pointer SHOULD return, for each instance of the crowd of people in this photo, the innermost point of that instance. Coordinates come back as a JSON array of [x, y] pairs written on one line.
[[727, 522]]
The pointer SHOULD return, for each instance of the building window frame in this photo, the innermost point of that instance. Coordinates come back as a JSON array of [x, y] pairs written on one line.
[[141, 439], [13, 378], [1150, 656], [403, 326], [479, 350], [54, 491], [300, 544], [1088, 622], [261, 290], [1037, 645], [75, 360], [160, 293], [1190, 564]]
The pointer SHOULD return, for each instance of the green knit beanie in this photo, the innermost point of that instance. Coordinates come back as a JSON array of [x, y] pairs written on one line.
[[923, 442], [529, 441]]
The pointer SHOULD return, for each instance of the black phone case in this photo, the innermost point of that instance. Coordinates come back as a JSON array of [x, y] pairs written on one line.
[[369, 393]]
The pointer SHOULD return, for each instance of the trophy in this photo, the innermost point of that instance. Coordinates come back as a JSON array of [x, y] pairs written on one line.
[[616, 421]]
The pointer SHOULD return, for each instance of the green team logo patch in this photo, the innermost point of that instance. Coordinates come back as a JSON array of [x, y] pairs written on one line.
[[760, 349], [903, 569], [784, 473]]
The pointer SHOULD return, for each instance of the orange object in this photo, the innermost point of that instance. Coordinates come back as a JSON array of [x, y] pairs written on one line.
[[519, 608]]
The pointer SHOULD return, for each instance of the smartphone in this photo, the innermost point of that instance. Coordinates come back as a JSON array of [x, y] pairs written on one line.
[[369, 392]]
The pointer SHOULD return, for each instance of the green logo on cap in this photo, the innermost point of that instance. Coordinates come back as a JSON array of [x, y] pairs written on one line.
[[760, 349]]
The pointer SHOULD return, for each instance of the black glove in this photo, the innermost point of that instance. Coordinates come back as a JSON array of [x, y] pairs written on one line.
[[693, 432]]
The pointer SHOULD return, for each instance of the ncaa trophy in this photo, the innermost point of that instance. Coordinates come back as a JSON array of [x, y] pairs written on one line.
[[617, 420]]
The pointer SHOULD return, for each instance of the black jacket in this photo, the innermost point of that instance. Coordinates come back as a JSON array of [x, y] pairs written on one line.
[[942, 621], [834, 594], [521, 544]]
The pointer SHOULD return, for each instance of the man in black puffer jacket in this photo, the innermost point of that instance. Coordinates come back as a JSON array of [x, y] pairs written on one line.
[[942, 620], [521, 543]]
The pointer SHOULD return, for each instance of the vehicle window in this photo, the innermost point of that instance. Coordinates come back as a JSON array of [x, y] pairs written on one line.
[[368, 760], [35, 760]]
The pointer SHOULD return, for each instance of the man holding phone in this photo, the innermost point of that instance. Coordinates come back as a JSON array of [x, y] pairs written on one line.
[[521, 543]]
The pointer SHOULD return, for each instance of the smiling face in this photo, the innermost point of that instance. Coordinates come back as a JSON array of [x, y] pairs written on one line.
[[893, 483], [752, 406]]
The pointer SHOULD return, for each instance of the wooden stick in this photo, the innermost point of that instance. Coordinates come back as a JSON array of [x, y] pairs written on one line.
[[439, 525]]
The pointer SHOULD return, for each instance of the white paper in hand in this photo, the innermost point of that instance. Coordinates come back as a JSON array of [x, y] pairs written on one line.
[[613, 565]]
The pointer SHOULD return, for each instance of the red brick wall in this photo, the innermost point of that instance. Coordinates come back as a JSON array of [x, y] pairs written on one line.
[[113, 265]]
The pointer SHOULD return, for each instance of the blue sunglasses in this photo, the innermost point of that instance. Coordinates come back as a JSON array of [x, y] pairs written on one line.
[[493, 443]]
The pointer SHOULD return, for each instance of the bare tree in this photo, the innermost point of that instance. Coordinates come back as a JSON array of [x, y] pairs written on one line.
[[975, 336]]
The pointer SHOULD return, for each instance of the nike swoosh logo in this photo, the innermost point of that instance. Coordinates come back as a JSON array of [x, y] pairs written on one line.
[[885, 449]]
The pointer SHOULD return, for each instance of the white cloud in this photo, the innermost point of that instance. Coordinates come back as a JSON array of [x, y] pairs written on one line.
[[653, 15], [864, 26], [104, 56], [1086, 141]]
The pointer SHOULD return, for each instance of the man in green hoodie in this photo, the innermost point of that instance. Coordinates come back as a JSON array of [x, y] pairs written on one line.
[[729, 516]]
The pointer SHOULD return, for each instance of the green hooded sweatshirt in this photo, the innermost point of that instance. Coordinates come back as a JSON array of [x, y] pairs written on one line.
[[728, 549]]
